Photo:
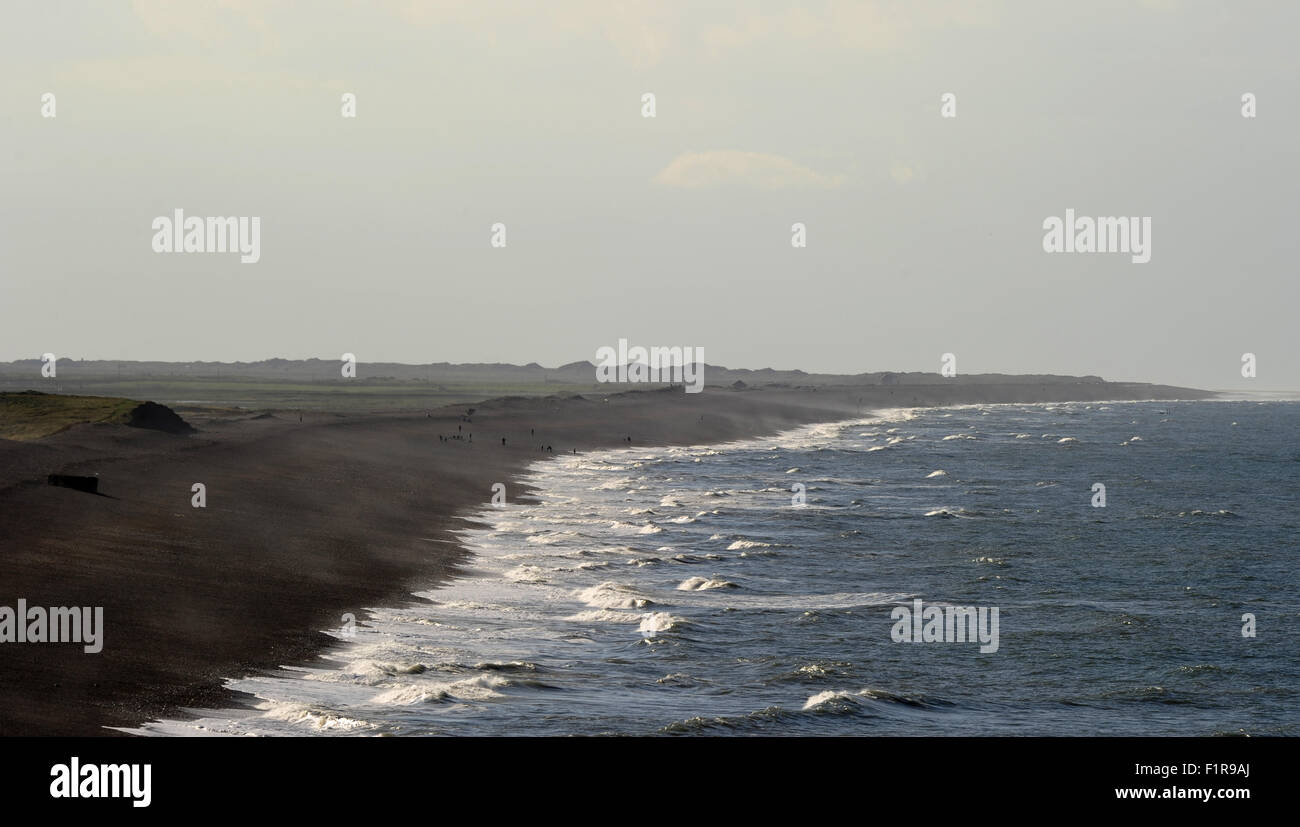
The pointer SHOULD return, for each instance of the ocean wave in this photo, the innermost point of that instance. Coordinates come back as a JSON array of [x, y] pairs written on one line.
[[704, 584], [1221, 514], [655, 622], [604, 616], [621, 527], [526, 574], [953, 512], [509, 666], [317, 719], [610, 595], [678, 679], [842, 701], [746, 544], [476, 688], [754, 720], [811, 672], [551, 537]]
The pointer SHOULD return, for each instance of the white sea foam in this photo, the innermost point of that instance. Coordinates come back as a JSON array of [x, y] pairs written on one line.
[[610, 595], [477, 688], [655, 622], [604, 616], [824, 697], [704, 583]]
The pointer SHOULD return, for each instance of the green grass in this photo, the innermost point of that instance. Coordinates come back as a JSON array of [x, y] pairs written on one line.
[[30, 415]]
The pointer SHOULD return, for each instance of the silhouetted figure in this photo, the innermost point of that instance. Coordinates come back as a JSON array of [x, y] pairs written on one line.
[[503, 442], [458, 427], [530, 432]]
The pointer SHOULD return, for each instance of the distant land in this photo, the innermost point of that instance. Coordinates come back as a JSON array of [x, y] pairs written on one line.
[[318, 384]]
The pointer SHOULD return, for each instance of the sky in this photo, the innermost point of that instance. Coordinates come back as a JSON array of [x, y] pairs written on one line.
[[924, 233]]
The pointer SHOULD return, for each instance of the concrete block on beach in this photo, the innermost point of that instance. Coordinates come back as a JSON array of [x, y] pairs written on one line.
[[78, 483]]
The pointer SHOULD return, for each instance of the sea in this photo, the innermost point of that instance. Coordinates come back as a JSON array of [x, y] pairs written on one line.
[[1140, 559]]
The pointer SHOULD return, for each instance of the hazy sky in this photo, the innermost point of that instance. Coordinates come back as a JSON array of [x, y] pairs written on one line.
[[924, 233]]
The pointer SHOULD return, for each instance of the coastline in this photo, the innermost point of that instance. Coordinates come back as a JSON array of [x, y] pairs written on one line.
[[306, 521]]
